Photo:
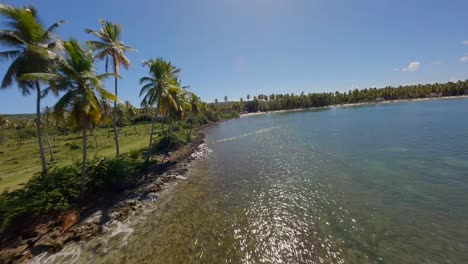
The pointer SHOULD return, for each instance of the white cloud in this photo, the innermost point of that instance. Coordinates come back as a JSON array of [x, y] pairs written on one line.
[[465, 42], [413, 66], [464, 58]]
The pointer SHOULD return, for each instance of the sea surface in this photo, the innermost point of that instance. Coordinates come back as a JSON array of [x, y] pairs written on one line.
[[384, 183]]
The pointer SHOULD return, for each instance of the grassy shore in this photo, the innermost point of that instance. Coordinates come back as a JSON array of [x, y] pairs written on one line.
[[18, 165]]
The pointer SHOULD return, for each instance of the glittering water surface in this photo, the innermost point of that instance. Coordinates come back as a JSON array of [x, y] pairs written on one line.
[[373, 184]]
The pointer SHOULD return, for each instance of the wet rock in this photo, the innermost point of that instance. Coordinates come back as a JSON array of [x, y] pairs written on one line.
[[14, 253]]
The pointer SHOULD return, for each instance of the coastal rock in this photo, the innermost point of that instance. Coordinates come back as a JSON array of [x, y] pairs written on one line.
[[14, 253]]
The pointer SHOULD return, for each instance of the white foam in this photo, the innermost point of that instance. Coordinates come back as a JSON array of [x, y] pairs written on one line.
[[246, 135], [69, 255]]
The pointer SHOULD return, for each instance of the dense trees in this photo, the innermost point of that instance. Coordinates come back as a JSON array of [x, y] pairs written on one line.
[[274, 102]]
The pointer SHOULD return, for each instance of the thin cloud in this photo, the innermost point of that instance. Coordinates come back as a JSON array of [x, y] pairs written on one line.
[[412, 67], [464, 58], [465, 42]]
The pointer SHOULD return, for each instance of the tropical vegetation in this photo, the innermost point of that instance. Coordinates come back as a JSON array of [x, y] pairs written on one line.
[[42, 63], [274, 102]]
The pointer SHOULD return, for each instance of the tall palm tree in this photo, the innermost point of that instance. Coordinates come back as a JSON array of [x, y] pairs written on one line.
[[31, 48], [83, 91], [196, 107], [155, 89], [4, 123], [109, 46]]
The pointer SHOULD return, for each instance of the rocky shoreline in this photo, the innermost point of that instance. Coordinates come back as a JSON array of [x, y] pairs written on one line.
[[49, 236]]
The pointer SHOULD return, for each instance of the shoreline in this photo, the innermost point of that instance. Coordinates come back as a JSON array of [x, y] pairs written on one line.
[[48, 236], [358, 104]]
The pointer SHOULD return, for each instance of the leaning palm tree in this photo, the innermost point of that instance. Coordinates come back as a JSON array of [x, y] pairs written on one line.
[[31, 47], [155, 89], [83, 90], [109, 46]]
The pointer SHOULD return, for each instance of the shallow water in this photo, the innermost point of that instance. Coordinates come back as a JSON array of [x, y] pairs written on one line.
[[370, 184]]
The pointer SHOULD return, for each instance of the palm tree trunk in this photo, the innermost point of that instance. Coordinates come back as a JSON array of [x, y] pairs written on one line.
[[91, 131], [83, 163], [116, 135], [1, 139], [39, 129], [52, 158], [148, 154], [163, 119]]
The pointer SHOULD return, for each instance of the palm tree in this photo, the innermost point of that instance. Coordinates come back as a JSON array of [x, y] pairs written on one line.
[[4, 123], [175, 104], [31, 47], [225, 99], [196, 107], [155, 89], [109, 46], [83, 91], [131, 112], [248, 97]]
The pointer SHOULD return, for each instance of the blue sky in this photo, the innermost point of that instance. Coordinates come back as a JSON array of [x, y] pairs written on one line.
[[240, 47]]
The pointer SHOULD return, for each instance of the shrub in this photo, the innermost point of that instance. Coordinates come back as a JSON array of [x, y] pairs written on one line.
[[111, 174], [56, 191], [73, 145], [170, 141], [59, 190], [134, 154]]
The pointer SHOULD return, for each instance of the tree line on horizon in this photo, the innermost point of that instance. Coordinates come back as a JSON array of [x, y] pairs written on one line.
[[275, 102]]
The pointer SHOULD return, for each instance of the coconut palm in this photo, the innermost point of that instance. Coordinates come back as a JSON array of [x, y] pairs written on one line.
[[155, 89], [83, 91], [31, 48], [175, 104], [131, 112], [109, 46], [196, 107], [4, 123]]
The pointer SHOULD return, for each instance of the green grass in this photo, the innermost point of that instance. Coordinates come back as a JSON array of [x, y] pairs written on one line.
[[17, 166]]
